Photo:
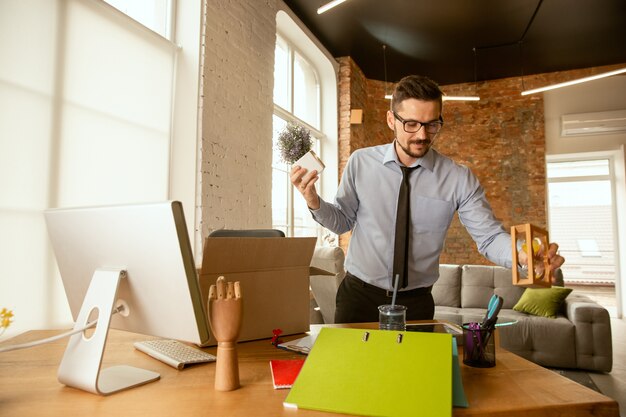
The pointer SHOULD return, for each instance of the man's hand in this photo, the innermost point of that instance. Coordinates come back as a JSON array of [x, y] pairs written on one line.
[[305, 183], [554, 259]]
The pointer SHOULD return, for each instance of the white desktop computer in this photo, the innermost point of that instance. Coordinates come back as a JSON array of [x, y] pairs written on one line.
[[132, 258]]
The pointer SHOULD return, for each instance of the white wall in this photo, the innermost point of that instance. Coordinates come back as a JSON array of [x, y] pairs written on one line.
[[601, 95], [237, 102], [237, 107]]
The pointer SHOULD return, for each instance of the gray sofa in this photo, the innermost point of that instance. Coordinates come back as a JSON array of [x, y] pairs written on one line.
[[324, 287], [580, 337]]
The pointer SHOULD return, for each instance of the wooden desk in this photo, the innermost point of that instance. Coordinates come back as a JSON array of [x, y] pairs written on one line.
[[28, 386]]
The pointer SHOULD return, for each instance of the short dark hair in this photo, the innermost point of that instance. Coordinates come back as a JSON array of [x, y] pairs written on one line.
[[418, 87]]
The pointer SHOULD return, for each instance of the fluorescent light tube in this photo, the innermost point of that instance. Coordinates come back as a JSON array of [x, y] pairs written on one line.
[[461, 98], [329, 6], [450, 98], [572, 82]]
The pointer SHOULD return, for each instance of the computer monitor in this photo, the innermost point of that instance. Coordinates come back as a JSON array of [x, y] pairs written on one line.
[[137, 256]]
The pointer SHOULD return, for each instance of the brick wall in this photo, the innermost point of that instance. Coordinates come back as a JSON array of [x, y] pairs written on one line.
[[237, 105], [501, 138]]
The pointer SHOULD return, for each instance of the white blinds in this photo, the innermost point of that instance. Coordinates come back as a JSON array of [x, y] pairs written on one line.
[[116, 117], [85, 119]]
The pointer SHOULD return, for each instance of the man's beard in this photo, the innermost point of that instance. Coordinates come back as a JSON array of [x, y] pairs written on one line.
[[407, 150]]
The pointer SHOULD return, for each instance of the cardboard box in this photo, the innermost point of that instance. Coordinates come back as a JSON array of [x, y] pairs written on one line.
[[274, 278]]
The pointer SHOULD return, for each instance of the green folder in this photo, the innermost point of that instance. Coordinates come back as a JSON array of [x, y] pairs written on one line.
[[458, 393], [376, 373]]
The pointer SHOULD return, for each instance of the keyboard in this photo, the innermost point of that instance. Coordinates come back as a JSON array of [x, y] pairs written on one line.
[[174, 353]]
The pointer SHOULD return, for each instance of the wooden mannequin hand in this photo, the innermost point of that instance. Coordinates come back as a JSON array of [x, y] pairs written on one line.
[[225, 310], [225, 317]]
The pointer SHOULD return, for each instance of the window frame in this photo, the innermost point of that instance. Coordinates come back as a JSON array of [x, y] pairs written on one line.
[[610, 177], [319, 137], [289, 26]]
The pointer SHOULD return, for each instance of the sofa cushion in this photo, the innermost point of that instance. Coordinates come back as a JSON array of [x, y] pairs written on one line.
[[325, 287], [542, 301], [459, 316], [449, 314], [545, 342], [447, 289], [480, 282], [503, 283], [328, 258]]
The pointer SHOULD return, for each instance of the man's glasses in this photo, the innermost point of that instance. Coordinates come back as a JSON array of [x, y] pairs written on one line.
[[413, 126]]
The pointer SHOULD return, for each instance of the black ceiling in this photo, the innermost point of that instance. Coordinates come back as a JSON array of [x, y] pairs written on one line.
[[456, 41]]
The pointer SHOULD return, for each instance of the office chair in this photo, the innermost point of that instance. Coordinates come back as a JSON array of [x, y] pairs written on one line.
[[247, 233]]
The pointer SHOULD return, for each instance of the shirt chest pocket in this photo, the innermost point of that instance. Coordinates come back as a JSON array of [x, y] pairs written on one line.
[[430, 215]]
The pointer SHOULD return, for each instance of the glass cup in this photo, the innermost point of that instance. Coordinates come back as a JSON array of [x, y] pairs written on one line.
[[479, 349], [392, 317]]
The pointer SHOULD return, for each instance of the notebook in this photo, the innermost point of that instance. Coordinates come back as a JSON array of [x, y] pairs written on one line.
[[285, 371], [301, 345]]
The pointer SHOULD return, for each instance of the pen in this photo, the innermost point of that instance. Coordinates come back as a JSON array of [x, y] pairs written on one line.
[[492, 316], [495, 304]]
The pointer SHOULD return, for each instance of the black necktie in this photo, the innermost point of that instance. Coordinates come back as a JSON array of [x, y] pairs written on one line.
[[401, 246]]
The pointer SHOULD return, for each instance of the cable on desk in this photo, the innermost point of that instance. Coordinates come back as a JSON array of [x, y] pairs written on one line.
[[57, 337]]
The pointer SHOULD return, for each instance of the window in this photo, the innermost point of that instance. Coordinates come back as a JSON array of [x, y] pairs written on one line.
[[589, 248], [296, 99], [582, 219], [153, 14], [305, 91], [90, 104]]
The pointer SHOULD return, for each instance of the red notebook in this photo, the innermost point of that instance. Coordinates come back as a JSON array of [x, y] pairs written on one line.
[[285, 371]]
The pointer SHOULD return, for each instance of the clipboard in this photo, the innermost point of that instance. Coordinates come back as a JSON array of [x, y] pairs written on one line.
[[376, 373]]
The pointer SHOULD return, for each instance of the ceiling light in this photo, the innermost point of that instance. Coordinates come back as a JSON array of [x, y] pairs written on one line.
[[461, 98], [387, 96], [572, 82], [449, 98], [329, 6]]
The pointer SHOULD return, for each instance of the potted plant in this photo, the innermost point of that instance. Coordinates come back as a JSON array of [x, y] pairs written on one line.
[[293, 142], [294, 145]]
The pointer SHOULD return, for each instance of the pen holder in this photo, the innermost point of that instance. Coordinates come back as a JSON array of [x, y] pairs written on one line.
[[392, 317], [479, 349]]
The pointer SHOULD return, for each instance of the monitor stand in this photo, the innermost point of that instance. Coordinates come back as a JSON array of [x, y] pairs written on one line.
[[82, 360]]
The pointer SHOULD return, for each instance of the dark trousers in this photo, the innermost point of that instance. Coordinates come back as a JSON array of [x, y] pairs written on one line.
[[357, 302]]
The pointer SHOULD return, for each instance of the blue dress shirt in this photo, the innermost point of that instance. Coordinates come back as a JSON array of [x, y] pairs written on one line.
[[366, 203]]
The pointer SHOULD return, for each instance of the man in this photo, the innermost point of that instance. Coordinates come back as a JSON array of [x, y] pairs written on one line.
[[367, 203]]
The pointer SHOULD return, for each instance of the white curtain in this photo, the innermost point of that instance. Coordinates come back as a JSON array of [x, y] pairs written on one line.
[[85, 119]]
